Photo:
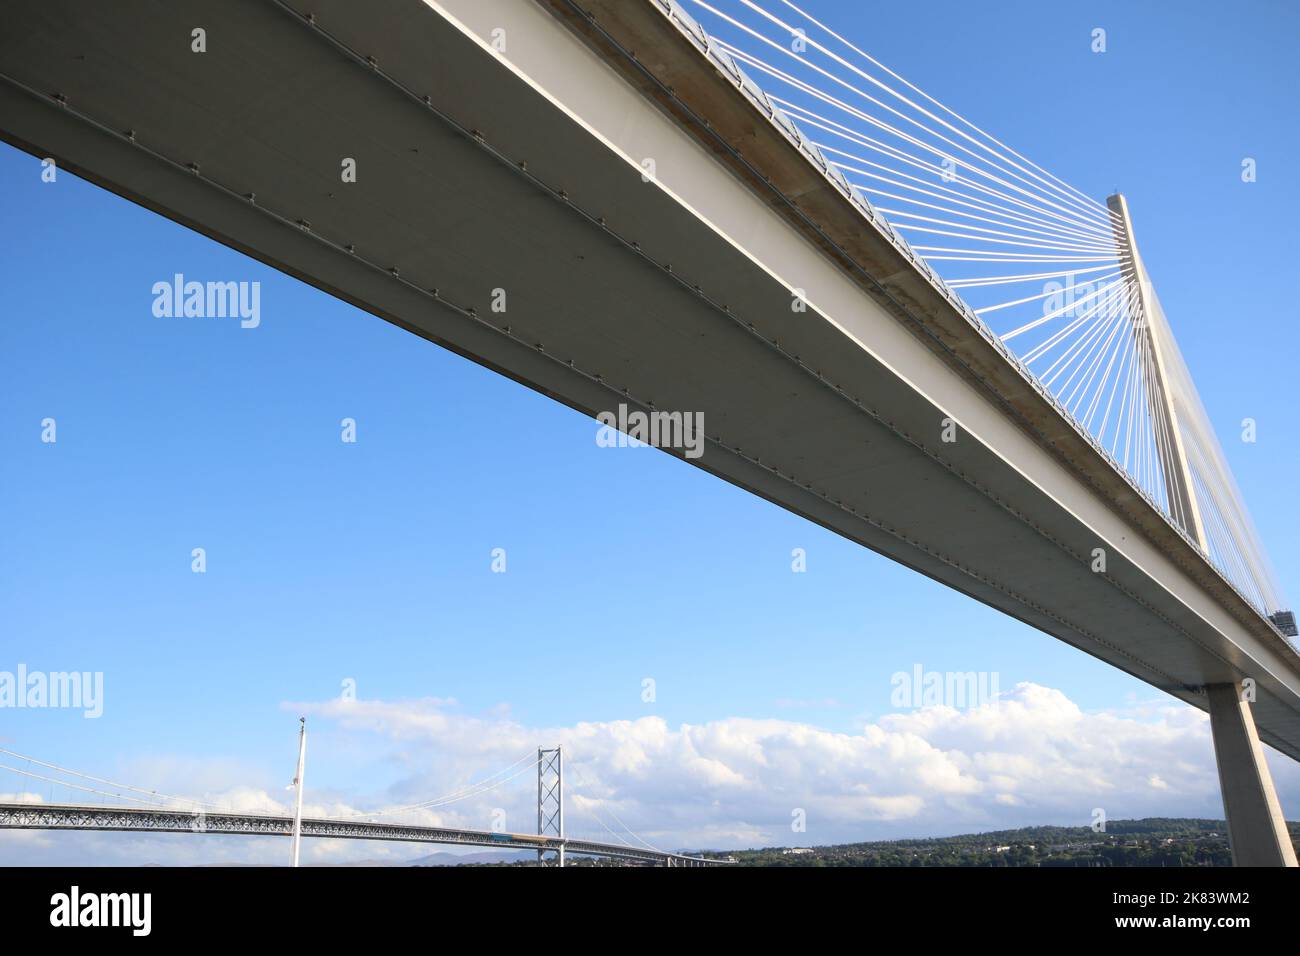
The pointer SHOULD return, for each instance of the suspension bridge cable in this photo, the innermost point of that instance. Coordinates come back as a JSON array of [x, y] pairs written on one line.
[[157, 804], [454, 796], [111, 783]]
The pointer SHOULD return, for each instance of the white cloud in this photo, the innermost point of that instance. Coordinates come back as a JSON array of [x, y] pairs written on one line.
[[1036, 757]]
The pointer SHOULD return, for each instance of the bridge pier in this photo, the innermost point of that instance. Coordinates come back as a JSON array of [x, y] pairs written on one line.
[[1257, 830]]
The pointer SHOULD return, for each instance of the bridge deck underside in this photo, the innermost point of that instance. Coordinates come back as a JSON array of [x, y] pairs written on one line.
[[815, 422]]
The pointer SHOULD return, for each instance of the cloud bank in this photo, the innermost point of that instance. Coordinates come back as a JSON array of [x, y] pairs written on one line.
[[1034, 757]]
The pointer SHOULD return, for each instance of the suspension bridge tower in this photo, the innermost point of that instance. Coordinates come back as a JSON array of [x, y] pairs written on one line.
[[550, 800]]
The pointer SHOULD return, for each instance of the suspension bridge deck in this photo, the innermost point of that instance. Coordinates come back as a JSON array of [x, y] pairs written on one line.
[[35, 816]]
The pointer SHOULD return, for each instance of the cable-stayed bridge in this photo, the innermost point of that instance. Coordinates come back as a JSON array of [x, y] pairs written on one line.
[[166, 813], [893, 323], [1053, 273]]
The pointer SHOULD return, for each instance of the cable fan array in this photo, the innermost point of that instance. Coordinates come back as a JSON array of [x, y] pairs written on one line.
[[1050, 271]]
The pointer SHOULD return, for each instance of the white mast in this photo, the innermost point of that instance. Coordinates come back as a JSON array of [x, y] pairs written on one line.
[[297, 785]]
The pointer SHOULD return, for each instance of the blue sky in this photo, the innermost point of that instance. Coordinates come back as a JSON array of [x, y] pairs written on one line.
[[371, 561]]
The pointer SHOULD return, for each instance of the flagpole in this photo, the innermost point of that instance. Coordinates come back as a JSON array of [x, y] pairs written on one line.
[[297, 785]]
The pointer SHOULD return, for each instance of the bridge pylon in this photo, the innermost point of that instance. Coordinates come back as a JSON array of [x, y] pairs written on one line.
[[1257, 831], [550, 800], [1150, 335]]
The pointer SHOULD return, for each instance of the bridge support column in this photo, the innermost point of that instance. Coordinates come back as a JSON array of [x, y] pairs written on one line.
[[1256, 828]]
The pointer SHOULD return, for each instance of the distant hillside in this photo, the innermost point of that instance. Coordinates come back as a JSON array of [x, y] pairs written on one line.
[[467, 859], [1156, 841]]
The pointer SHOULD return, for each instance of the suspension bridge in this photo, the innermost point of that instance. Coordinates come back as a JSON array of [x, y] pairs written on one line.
[[166, 813], [893, 323]]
